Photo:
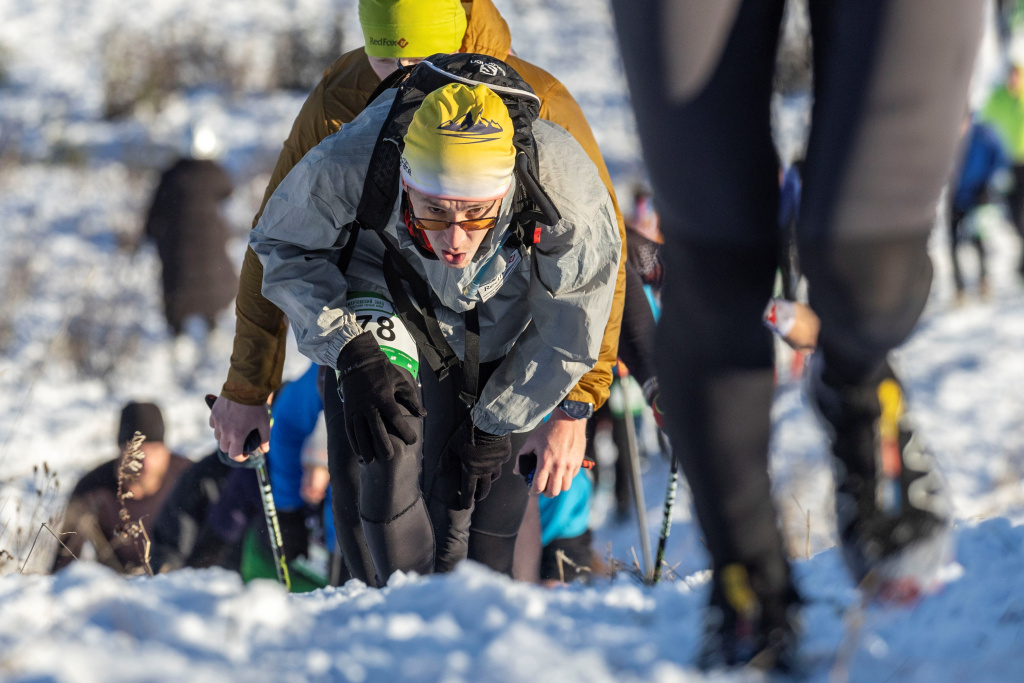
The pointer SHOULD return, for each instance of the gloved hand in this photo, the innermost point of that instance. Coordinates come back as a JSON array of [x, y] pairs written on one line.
[[482, 455], [652, 394], [659, 417], [374, 391]]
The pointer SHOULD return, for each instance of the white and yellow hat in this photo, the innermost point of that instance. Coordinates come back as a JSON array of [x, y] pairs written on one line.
[[459, 145]]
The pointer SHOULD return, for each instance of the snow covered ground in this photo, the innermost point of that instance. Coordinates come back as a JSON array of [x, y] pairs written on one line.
[[81, 332]]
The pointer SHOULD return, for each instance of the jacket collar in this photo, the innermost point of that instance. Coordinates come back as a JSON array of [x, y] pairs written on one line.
[[486, 31]]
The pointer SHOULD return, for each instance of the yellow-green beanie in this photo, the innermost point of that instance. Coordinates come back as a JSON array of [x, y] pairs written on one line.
[[411, 28], [459, 145]]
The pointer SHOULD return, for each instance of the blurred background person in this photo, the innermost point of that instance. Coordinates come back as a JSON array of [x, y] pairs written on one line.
[[1004, 111], [980, 177], [177, 525], [184, 222], [93, 516]]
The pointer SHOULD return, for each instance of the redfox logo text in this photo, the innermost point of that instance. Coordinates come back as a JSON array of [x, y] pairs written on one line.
[[384, 42]]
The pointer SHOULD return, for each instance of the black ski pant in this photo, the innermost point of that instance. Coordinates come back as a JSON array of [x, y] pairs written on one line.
[[1015, 204], [955, 236], [636, 338], [403, 513], [890, 87]]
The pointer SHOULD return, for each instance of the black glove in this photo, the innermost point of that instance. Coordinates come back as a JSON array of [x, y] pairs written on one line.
[[375, 391], [482, 455]]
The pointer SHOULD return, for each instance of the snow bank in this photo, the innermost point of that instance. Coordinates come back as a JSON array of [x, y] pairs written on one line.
[[88, 624]]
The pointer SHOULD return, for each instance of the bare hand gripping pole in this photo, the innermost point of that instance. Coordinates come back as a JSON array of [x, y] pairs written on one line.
[[258, 462]]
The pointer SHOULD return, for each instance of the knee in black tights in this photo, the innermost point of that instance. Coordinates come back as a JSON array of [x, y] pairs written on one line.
[[869, 296]]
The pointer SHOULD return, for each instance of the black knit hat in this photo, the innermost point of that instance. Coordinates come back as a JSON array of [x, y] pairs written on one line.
[[140, 417]]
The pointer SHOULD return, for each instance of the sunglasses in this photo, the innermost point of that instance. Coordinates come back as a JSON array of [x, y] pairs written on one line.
[[468, 225]]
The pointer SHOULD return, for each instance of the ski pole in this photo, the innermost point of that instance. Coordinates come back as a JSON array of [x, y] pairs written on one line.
[[634, 469], [258, 462], [666, 517]]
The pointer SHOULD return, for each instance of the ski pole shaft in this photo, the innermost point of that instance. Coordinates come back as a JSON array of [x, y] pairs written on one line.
[[252, 442], [273, 526], [638, 484], [666, 519]]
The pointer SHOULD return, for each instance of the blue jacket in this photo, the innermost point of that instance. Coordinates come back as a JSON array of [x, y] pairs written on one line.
[[296, 410], [984, 156], [567, 515]]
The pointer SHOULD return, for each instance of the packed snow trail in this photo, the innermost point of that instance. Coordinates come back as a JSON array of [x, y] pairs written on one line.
[[88, 624]]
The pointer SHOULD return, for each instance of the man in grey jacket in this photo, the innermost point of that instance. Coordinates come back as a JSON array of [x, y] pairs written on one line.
[[541, 312]]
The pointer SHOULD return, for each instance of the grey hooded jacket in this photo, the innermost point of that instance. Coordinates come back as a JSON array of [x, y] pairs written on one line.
[[544, 313]]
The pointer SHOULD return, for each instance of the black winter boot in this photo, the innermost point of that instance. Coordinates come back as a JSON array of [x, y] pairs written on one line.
[[892, 510], [749, 623]]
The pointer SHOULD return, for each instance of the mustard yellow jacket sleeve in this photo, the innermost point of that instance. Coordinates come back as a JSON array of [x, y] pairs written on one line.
[[558, 106], [257, 357]]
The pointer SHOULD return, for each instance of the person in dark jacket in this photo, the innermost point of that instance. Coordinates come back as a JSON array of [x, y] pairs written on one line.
[[184, 222], [177, 525], [983, 166], [93, 512]]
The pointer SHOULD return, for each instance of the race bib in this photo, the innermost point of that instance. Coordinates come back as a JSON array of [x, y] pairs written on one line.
[[376, 314]]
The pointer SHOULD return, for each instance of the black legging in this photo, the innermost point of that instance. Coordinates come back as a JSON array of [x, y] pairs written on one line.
[[400, 514], [891, 83], [1015, 204], [955, 220], [636, 338]]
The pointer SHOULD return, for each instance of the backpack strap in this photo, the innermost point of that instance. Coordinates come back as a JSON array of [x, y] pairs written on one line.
[[471, 362], [422, 325], [392, 80]]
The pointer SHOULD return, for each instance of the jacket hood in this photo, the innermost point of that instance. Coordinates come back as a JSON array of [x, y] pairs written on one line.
[[486, 33]]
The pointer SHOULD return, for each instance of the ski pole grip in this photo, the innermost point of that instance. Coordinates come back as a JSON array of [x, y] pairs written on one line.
[[528, 466], [251, 446]]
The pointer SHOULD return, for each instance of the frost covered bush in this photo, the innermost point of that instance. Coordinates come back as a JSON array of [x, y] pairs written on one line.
[[5, 56], [16, 282], [143, 67], [101, 337], [142, 70], [299, 61]]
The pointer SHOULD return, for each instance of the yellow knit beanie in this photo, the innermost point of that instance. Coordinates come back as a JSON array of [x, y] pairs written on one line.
[[459, 145], [411, 28]]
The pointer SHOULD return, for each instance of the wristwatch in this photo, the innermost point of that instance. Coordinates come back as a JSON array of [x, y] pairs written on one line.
[[577, 410]]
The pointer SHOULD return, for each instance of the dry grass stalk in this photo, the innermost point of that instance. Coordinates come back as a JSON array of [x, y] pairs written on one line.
[[807, 525], [33, 547], [46, 485], [65, 533], [127, 472], [633, 569], [853, 626], [807, 550], [561, 558]]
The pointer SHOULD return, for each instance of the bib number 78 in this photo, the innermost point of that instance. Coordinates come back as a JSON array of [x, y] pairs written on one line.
[[377, 315], [385, 326]]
